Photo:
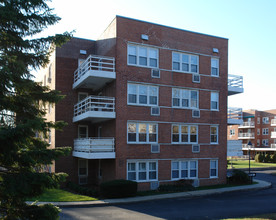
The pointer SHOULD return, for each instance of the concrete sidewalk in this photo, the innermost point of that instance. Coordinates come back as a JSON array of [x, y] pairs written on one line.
[[260, 185]]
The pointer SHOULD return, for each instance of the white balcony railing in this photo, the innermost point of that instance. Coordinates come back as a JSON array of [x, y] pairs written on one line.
[[273, 122], [97, 107], [246, 146], [94, 72], [247, 135], [234, 115], [235, 84], [94, 148], [273, 145], [247, 124], [273, 134]]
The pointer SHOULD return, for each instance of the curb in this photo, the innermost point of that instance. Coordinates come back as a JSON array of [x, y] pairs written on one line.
[[260, 185]]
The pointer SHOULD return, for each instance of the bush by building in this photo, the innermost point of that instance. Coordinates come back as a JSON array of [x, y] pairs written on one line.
[[239, 177], [118, 189], [82, 190], [177, 186]]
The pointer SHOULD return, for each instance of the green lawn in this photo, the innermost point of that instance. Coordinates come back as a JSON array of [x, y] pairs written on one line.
[[238, 164], [58, 195]]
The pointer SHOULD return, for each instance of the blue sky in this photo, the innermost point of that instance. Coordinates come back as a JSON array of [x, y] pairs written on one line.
[[250, 26]]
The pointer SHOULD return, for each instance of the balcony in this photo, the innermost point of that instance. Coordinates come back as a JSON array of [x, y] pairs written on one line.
[[235, 84], [247, 135], [273, 134], [248, 124], [273, 146], [95, 72], [94, 148], [95, 109], [234, 116], [273, 122], [245, 146]]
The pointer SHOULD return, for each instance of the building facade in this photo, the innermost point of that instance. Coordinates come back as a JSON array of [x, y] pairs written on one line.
[[144, 102]]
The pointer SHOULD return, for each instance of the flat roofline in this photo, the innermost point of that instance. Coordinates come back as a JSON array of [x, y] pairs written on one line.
[[81, 38], [169, 27]]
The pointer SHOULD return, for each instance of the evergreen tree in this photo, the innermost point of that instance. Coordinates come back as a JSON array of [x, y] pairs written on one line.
[[22, 154]]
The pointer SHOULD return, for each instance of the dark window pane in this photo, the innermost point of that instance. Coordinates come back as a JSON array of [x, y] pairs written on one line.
[[152, 175], [131, 59], [82, 171], [213, 172], [214, 105], [184, 138], [175, 174], [143, 61], [214, 71], [175, 137], [142, 137], [176, 66], [193, 138], [142, 175], [153, 100], [132, 98], [194, 68], [152, 137], [176, 101], [142, 99], [185, 67], [153, 62], [132, 137], [184, 173], [131, 176], [193, 173], [185, 102]]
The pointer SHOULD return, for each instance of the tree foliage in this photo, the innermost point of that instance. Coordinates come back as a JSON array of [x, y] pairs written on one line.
[[22, 154]]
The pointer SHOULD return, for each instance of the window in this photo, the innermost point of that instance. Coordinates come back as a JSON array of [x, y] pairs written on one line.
[[258, 120], [214, 134], [258, 131], [213, 168], [184, 134], [265, 142], [214, 101], [183, 98], [142, 171], [185, 62], [142, 95], [142, 56], [265, 131], [82, 131], [265, 120], [258, 142], [214, 67], [142, 133], [184, 169], [232, 132], [82, 170]]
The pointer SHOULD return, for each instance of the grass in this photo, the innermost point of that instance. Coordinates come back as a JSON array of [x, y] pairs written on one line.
[[270, 216], [238, 164], [58, 195]]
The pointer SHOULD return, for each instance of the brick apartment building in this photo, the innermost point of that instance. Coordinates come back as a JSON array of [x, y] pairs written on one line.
[[144, 102], [259, 127]]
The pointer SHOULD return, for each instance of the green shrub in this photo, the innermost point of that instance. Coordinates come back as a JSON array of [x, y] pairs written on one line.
[[118, 188], [273, 158], [257, 158], [261, 158], [267, 158], [239, 177], [82, 190], [178, 186]]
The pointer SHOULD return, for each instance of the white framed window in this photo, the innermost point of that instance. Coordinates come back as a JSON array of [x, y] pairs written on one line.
[[214, 67], [258, 120], [258, 142], [184, 134], [83, 167], [265, 142], [185, 62], [265, 131], [142, 132], [142, 95], [213, 168], [265, 120], [184, 169], [184, 98], [232, 132], [214, 101], [258, 131], [82, 131], [142, 56], [142, 171], [214, 134], [82, 95]]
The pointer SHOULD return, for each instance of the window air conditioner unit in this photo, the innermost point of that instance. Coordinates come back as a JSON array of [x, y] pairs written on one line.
[[49, 80], [196, 113], [196, 78], [155, 73], [155, 148], [82, 180], [195, 148], [154, 185], [155, 110]]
